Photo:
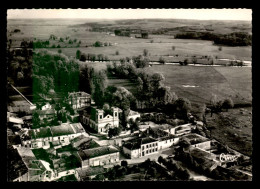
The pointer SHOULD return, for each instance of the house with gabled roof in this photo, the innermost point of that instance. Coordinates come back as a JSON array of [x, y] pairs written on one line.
[[60, 135], [140, 147], [99, 156], [78, 100]]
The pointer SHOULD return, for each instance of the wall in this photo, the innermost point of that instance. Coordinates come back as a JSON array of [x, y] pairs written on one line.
[[105, 159], [165, 144], [204, 145], [153, 148]]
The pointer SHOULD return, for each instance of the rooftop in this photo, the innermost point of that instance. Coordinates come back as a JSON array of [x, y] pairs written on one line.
[[95, 152], [64, 129], [89, 171], [137, 142], [195, 138]]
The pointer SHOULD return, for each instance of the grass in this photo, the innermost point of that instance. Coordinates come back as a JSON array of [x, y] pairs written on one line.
[[233, 128], [161, 46], [222, 81]]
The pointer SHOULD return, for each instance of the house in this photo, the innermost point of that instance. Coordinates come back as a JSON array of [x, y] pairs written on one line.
[[181, 130], [133, 115], [82, 142], [57, 135], [140, 147], [198, 141], [38, 170], [48, 114], [78, 100], [103, 155], [100, 122], [165, 139], [87, 173], [46, 106]]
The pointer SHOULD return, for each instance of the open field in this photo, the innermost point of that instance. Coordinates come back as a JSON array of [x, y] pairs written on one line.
[[233, 128], [127, 47], [222, 81]]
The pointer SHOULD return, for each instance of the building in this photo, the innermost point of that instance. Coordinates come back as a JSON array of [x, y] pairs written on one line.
[[78, 100], [181, 130], [46, 106], [46, 114], [103, 155], [57, 135], [87, 173], [198, 141], [140, 147], [38, 170], [165, 139], [100, 122]]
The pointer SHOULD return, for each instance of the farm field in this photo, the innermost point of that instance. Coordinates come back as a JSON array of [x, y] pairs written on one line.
[[127, 47], [221, 81]]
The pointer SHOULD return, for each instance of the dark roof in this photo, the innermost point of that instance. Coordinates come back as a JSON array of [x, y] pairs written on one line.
[[14, 139], [64, 129], [195, 138], [45, 112], [89, 171], [40, 133], [95, 152], [136, 143]]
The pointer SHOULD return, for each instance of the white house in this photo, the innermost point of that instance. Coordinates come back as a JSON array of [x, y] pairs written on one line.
[[140, 147], [59, 135]]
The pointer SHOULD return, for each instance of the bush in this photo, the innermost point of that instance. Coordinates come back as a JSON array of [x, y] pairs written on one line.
[[124, 163]]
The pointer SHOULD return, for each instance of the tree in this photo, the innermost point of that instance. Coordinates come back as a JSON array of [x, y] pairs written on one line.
[[123, 98], [161, 60], [160, 159], [145, 52], [124, 163], [186, 62], [83, 57], [182, 107], [152, 171], [184, 143], [59, 51], [99, 177], [194, 60], [227, 104], [78, 54]]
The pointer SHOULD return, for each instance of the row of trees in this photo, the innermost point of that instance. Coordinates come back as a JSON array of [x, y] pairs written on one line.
[[101, 44], [216, 105], [231, 39], [90, 57]]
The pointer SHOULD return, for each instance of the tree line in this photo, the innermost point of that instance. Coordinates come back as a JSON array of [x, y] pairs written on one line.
[[231, 39]]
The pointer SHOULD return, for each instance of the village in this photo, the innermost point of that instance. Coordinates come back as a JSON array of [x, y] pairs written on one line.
[[88, 144]]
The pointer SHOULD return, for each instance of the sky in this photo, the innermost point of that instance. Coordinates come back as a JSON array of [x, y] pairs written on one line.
[[197, 14]]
